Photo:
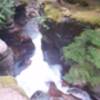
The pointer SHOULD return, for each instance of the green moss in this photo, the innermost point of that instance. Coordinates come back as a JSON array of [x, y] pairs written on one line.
[[10, 82], [87, 16], [6, 81], [90, 14], [52, 12]]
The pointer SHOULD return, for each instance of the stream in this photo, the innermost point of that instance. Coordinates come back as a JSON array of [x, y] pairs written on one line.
[[39, 73]]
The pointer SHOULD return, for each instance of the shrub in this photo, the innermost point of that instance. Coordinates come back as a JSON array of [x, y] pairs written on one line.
[[85, 52]]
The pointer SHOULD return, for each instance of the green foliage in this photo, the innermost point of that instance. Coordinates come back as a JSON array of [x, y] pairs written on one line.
[[85, 51], [6, 11]]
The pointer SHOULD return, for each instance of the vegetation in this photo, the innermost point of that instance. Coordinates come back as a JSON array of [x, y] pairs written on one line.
[[89, 14], [85, 52], [6, 11]]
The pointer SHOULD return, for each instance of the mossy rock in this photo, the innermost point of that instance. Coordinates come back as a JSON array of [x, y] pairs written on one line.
[[54, 13], [10, 82], [7, 81], [90, 14], [91, 17]]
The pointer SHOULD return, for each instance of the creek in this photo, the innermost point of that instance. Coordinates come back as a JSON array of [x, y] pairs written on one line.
[[39, 73]]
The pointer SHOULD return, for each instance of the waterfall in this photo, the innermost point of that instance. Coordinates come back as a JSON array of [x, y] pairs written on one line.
[[38, 73]]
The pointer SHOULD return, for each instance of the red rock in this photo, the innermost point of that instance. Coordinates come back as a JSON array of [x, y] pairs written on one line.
[[53, 91]]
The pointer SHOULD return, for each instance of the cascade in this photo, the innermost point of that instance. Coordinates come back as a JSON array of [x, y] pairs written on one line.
[[39, 73]]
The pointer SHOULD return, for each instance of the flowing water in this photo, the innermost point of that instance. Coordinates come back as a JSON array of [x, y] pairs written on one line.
[[37, 75]]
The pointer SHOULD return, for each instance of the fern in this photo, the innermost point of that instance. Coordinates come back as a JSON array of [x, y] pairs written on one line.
[[6, 11], [85, 51]]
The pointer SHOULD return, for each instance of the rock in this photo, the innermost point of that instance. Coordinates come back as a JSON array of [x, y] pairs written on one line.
[[69, 97], [6, 59], [22, 47], [76, 9], [53, 94], [51, 53], [10, 93], [56, 94], [20, 17], [9, 86], [53, 91], [18, 39], [3, 46], [60, 34], [95, 92], [39, 95]]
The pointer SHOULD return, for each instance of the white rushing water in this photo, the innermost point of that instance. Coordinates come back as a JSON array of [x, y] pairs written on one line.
[[38, 73], [36, 76]]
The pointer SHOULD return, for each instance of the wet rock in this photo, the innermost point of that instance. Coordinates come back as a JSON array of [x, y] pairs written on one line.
[[20, 17], [6, 59], [95, 94], [22, 47], [53, 91], [56, 94], [53, 94], [60, 34], [51, 53], [39, 95], [18, 39], [69, 97], [81, 2]]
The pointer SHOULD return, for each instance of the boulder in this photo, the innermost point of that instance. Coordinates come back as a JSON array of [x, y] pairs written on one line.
[[6, 59], [22, 47], [8, 86]]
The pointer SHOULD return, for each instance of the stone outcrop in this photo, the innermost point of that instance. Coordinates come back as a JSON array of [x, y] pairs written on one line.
[[22, 47], [76, 9], [9, 89]]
